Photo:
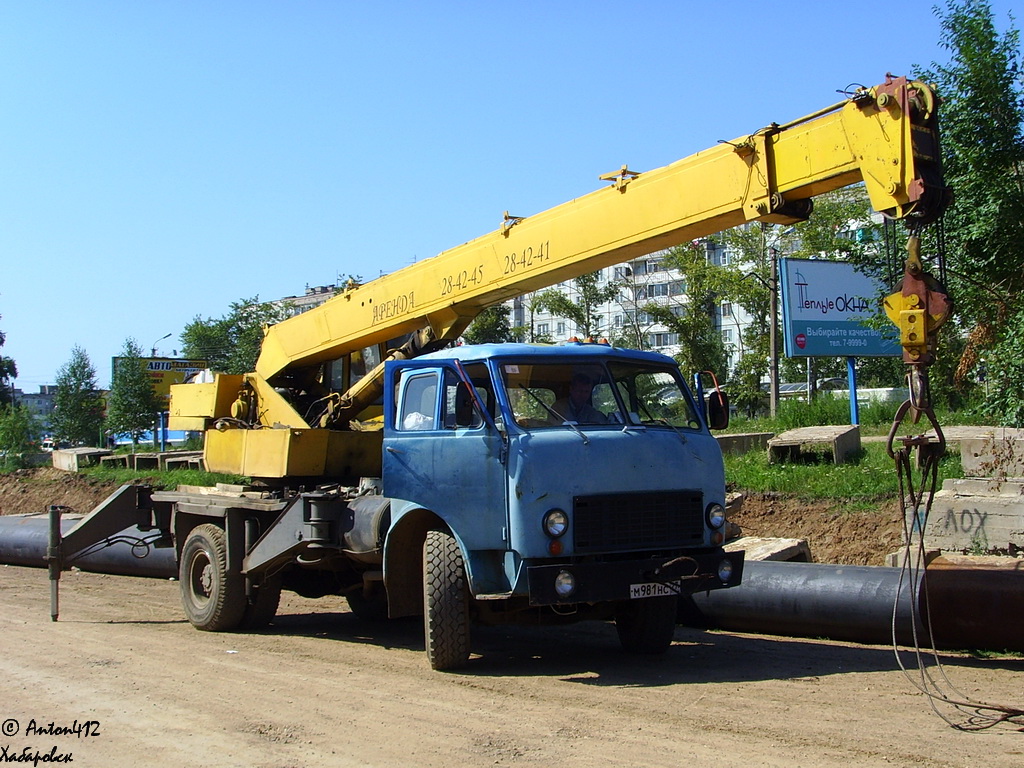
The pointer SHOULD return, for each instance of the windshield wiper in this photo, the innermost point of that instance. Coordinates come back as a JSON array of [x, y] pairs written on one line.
[[661, 420], [555, 414]]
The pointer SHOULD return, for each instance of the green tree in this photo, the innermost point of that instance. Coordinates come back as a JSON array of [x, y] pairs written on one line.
[[583, 312], [232, 343], [1000, 370], [132, 404], [752, 249], [77, 404], [490, 326], [983, 160], [18, 432], [693, 318], [534, 304], [8, 372]]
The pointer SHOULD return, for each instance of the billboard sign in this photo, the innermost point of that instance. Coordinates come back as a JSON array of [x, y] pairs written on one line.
[[164, 371], [824, 308]]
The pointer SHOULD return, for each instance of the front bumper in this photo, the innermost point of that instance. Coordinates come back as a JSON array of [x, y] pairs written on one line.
[[601, 581]]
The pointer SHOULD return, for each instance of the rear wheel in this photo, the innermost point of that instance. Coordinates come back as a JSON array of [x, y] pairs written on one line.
[[647, 625], [372, 607], [213, 597], [262, 609], [445, 602]]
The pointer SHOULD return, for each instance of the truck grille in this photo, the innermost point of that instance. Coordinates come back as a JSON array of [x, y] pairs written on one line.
[[631, 521]]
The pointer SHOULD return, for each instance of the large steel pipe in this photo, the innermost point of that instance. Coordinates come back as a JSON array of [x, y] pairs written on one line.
[[840, 602], [976, 602], [971, 606], [23, 541]]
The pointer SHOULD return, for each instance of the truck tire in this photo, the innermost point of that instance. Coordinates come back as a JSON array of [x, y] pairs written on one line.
[[373, 608], [646, 625], [214, 597], [263, 608], [445, 602]]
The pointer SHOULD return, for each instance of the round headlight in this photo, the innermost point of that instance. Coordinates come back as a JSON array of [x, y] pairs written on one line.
[[565, 584], [556, 523], [725, 571], [715, 515]]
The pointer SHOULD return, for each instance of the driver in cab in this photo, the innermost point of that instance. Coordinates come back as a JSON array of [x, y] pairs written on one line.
[[577, 407]]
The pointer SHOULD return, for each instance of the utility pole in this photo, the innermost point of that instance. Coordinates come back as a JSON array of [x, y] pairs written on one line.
[[773, 333]]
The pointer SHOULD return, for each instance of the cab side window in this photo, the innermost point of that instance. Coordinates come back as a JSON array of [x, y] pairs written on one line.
[[418, 409], [461, 408]]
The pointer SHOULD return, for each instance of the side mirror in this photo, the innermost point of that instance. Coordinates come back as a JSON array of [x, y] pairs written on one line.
[[718, 409]]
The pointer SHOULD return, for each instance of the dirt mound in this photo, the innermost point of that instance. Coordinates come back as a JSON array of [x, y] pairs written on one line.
[[32, 491], [835, 535]]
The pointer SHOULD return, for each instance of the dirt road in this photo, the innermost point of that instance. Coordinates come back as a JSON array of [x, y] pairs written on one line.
[[322, 688]]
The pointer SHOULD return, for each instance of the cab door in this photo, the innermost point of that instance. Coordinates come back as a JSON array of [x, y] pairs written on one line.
[[443, 454]]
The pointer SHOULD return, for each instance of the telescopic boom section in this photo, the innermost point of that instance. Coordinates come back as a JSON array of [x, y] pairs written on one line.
[[885, 136]]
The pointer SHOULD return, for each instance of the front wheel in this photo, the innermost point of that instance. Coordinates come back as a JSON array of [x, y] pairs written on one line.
[[213, 596], [647, 625], [445, 602]]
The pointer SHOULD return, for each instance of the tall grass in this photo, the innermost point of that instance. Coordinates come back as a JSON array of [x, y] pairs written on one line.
[[159, 479], [870, 477], [873, 417]]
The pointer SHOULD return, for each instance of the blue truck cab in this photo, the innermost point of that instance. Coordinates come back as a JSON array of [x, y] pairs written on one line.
[[549, 483]]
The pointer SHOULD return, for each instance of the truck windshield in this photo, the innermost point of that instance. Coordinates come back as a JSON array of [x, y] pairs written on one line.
[[654, 396], [550, 394]]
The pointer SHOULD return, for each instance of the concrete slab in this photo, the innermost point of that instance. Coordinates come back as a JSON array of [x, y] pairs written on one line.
[[756, 548], [70, 459], [145, 460], [182, 460], [843, 442], [742, 442]]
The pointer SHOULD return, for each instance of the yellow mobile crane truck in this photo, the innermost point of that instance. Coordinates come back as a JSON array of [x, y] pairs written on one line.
[[502, 483]]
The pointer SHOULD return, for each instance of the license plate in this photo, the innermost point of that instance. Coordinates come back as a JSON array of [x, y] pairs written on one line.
[[653, 590]]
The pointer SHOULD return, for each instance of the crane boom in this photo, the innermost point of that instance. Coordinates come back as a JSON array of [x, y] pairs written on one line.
[[287, 419], [884, 136]]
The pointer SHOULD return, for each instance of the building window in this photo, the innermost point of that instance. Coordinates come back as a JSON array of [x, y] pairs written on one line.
[[657, 289], [727, 335], [621, 273], [726, 309], [662, 339], [543, 329], [560, 329], [638, 316]]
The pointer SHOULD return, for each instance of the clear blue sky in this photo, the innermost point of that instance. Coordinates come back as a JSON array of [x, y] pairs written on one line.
[[159, 160]]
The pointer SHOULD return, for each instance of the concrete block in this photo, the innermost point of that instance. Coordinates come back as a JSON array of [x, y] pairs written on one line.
[[976, 523], [999, 454], [843, 442]]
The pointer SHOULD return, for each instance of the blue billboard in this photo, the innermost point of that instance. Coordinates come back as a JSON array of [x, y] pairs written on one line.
[[825, 306]]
